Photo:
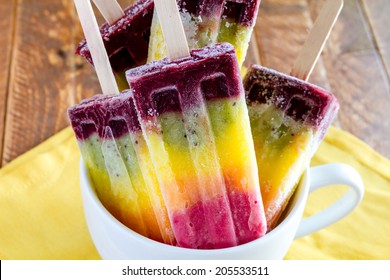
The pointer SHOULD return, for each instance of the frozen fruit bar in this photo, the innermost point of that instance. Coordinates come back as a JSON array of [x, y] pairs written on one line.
[[195, 121], [289, 118], [207, 22], [117, 159], [126, 41]]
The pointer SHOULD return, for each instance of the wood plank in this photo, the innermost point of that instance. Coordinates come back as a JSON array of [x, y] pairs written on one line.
[[46, 76], [64, 78], [357, 77], [379, 20], [7, 13]]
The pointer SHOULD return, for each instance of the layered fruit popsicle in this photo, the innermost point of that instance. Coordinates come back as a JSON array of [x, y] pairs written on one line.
[[207, 22], [126, 41], [289, 118], [117, 159], [194, 118]]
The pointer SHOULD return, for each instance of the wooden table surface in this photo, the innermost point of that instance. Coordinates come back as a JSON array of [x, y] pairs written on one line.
[[40, 76]]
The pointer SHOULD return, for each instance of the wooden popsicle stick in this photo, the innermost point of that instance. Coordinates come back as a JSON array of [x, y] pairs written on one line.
[[318, 36], [96, 47], [110, 9], [172, 28]]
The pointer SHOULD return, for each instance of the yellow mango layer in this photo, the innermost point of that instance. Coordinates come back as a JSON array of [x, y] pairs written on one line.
[[120, 185], [234, 163], [283, 148]]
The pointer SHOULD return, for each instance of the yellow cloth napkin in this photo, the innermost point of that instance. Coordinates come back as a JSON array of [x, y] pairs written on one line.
[[41, 215], [365, 233]]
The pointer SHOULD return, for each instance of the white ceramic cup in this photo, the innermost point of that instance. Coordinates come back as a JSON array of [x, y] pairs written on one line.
[[113, 240]]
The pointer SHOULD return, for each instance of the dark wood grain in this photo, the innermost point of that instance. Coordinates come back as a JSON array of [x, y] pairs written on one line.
[[6, 26], [358, 77], [379, 23], [46, 77], [45, 74]]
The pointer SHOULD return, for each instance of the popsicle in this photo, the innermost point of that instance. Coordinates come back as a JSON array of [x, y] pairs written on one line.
[[289, 118], [112, 147], [126, 39], [207, 22], [117, 159], [194, 118]]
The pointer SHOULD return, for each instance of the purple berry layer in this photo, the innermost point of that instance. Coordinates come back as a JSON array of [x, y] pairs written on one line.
[[302, 101], [127, 40], [242, 11], [169, 85], [94, 114]]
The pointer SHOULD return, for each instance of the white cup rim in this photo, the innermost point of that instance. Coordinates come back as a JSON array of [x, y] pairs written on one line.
[[298, 199]]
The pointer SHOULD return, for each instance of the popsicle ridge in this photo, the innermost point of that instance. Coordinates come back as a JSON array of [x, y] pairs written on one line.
[[85, 116], [215, 86], [91, 116]]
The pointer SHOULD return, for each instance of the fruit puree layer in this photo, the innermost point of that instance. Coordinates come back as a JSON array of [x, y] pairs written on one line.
[[115, 153], [195, 122], [289, 118]]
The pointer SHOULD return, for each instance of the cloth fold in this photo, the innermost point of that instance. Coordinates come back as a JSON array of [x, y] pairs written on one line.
[[41, 214]]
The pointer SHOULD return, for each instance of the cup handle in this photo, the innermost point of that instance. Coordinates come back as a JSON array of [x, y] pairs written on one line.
[[329, 174]]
